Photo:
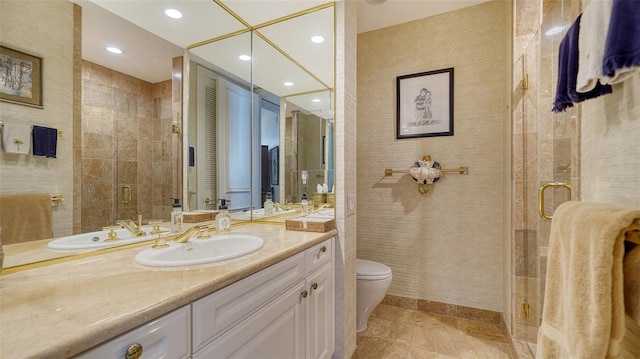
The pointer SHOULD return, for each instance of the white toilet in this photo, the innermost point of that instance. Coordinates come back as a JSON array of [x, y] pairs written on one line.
[[374, 279]]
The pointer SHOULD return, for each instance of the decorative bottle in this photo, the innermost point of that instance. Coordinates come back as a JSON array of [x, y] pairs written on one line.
[[268, 205], [223, 219], [304, 205], [176, 216]]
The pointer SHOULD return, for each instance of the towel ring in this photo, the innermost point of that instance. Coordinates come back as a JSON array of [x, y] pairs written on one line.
[[541, 196]]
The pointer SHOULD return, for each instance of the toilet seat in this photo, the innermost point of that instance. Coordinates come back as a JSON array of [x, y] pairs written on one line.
[[370, 270]]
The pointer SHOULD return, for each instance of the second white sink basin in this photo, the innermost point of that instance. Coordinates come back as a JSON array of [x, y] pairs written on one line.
[[94, 240], [218, 248]]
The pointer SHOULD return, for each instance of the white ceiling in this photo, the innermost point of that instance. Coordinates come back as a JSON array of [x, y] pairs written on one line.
[[154, 40]]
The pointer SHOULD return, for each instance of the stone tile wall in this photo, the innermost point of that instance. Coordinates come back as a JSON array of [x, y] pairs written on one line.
[[127, 147]]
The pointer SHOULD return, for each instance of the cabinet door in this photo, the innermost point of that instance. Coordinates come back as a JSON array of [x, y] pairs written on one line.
[[320, 314], [219, 311], [276, 331]]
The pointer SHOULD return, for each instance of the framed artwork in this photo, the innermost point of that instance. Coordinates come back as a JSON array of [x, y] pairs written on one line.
[[20, 77], [424, 104], [275, 165]]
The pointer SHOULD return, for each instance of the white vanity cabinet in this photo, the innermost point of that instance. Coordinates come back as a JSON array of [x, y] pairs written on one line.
[[290, 316], [283, 311], [165, 337]]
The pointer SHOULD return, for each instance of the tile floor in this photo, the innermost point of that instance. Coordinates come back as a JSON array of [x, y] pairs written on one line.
[[398, 333]]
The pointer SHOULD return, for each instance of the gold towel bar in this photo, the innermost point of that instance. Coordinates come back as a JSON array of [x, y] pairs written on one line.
[[57, 198], [60, 132], [460, 170]]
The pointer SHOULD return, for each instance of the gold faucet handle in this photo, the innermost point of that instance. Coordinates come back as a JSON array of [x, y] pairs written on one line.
[[112, 236], [156, 227], [203, 233], [160, 241]]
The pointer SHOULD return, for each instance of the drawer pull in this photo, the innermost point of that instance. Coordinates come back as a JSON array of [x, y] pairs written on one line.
[[304, 293], [134, 351], [314, 285], [323, 249]]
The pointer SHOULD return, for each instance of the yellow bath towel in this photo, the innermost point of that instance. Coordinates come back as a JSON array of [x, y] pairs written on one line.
[[632, 284], [25, 217], [583, 314]]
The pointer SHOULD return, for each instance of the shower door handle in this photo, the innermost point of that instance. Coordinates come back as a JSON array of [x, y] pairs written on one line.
[[125, 199], [541, 196]]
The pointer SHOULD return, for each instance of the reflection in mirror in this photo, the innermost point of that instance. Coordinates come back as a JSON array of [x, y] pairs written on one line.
[[219, 125], [308, 146], [282, 84]]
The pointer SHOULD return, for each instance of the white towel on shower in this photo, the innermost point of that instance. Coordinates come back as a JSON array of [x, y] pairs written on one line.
[[594, 27], [16, 138]]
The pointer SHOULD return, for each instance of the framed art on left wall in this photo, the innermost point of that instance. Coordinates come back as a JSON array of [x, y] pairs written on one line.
[[20, 77]]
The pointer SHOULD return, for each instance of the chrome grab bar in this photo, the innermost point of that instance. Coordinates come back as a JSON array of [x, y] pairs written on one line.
[[541, 196]]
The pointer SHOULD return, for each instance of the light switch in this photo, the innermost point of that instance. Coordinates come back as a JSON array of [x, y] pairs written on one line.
[[351, 204]]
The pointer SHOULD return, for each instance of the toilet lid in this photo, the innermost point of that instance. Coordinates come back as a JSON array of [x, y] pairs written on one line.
[[371, 270]]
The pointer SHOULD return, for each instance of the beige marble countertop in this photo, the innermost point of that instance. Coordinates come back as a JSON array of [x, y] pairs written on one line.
[[60, 310]]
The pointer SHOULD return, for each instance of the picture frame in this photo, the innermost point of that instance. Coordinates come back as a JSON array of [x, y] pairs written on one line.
[[274, 153], [20, 78], [424, 104]]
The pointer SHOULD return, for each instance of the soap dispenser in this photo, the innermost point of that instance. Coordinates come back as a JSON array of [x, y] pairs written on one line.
[[268, 205], [223, 219], [304, 204], [176, 215]]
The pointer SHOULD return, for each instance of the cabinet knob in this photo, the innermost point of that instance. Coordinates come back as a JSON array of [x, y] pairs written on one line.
[[314, 285], [304, 293], [134, 351], [323, 249]]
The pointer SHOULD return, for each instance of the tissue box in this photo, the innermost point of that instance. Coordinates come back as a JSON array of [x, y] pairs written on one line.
[[310, 224], [195, 217]]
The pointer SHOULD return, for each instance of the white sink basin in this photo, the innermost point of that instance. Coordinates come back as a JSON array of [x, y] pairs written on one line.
[[218, 248], [97, 239]]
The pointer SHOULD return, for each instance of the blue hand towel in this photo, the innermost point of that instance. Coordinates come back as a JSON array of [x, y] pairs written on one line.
[[45, 141], [622, 48], [566, 94]]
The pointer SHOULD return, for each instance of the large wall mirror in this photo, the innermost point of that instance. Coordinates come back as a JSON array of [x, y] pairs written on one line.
[[259, 116], [254, 126]]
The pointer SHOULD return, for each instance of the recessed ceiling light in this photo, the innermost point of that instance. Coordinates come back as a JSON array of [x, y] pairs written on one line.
[[375, 2], [244, 57], [317, 39], [173, 13], [114, 50], [288, 83], [316, 100]]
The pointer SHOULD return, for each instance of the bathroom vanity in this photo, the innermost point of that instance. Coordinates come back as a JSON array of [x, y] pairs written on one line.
[[278, 302]]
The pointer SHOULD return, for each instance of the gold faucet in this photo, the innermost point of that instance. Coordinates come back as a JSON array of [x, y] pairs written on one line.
[[134, 229], [316, 210], [186, 235], [280, 207]]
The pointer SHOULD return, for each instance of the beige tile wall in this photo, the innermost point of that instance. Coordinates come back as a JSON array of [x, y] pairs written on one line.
[[43, 29], [446, 246]]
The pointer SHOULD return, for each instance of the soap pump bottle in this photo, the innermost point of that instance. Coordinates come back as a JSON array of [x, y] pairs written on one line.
[[223, 219], [176, 215], [304, 204], [268, 205]]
